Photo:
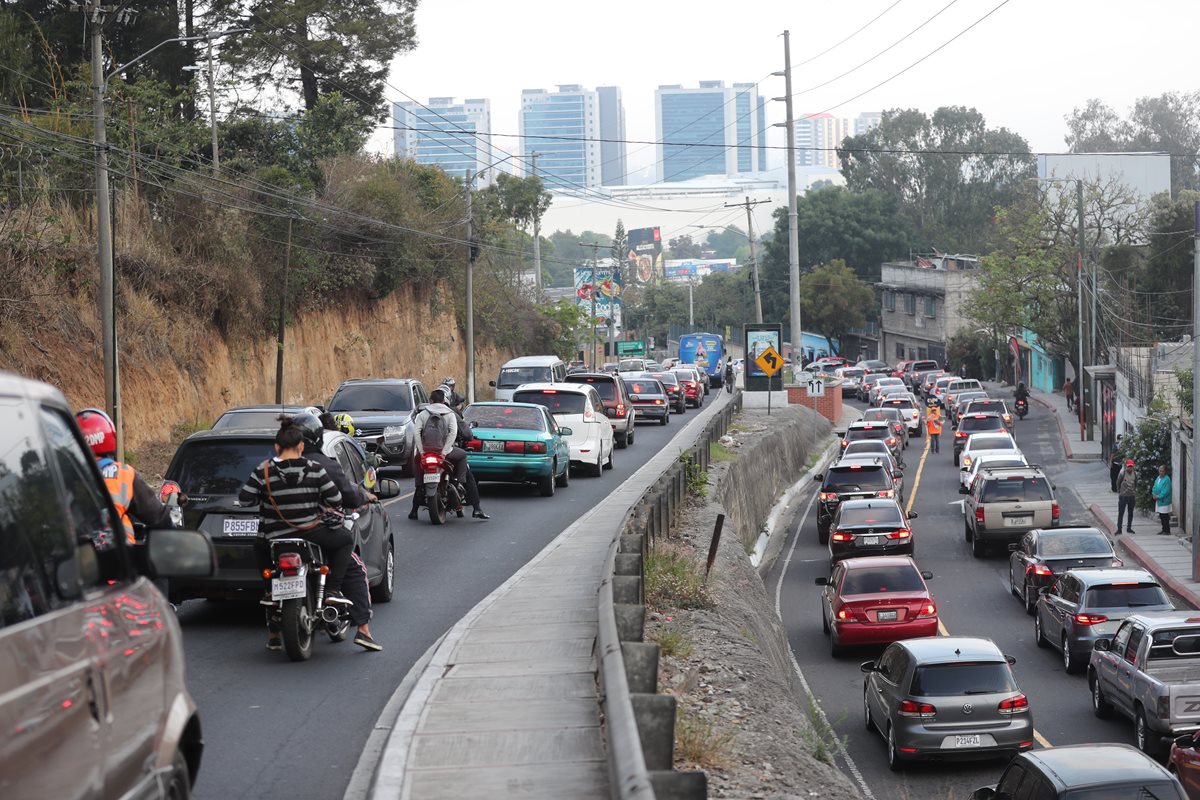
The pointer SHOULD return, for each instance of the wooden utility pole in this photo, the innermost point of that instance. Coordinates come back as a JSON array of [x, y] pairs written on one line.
[[749, 204]]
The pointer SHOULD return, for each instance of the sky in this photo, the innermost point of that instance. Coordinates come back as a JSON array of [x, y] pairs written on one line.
[[1024, 67]]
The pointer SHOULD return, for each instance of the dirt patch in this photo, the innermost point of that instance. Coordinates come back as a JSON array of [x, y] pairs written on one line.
[[743, 716]]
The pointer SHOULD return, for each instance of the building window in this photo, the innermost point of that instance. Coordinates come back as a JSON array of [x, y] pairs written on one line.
[[900, 350], [889, 301], [931, 307], [910, 304]]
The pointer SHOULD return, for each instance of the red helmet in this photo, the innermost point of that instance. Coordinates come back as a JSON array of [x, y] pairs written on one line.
[[98, 431]]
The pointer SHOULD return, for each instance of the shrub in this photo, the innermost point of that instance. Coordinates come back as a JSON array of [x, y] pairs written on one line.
[[674, 578], [699, 741]]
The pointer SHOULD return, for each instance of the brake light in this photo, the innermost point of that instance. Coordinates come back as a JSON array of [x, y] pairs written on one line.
[[978, 515], [549, 391], [1090, 619], [856, 466], [535, 447], [474, 444], [928, 610], [620, 409], [842, 613], [430, 459], [1014, 705], [289, 563], [827, 496], [658, 402], [884, 493], [891, 440], [900, 534], [842, 536], [845, 442], [168, 488], [514, 447], [1038, 569], [911, 708], [1054, 510], [960, 435]]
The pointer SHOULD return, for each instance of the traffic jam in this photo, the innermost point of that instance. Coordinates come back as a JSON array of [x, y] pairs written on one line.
[[936, 699]]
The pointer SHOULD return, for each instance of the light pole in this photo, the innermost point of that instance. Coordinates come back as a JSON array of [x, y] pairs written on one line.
[[212, 93], [797, 334]]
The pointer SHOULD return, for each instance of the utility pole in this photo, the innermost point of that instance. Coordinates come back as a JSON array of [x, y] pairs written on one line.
[[212, 112], [287, 266], [1194, 482], [748, 203], [592, 327], [1084, 394], [537, 239], [797, 333], [691, 314], [470, 295]]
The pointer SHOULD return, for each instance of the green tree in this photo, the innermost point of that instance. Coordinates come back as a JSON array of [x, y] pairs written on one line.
[[684, 246], [620, 248], [514, 199], [1166, 278], [726, 242], [833, 300]]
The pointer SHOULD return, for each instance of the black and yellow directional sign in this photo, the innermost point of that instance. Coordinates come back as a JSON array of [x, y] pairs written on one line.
[[769, 361]]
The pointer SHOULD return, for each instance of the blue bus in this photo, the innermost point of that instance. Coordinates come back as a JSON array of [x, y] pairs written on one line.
[[706, 351]]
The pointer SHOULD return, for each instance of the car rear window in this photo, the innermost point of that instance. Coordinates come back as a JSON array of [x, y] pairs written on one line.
[[888, 414], [920, 366], [972, 424], [243, 420], [557, 402], [218, 467], [853, 479], [882, 579], [901, 402], [667, 378], [511, 417], [1064, 544], [1150, 790], [866, 447], [883, 516], [1125, 595], [372, 398], [1016, 489], [878, 432], [684, 374], [872, 378], [994, 442], [512, 377], [606, 388], [972, 677], [644, 387]]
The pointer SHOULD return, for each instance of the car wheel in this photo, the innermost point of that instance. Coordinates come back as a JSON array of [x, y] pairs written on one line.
[[870, 726], [966, 531], [1146, 739], [1012, 582], [894, 762], [629, 437], [822, 534], [383, 592], [1100, 707], [609, 464], [546, 483], [621, 441], [1029, 600], [178, 785], [665, 418], [835, 649], [564, 479], [597, 469], [824, 622], [1071, 663], [977, 547], [1039, 637]]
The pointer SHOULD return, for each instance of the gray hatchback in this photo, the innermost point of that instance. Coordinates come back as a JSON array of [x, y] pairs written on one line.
[[944, 698]]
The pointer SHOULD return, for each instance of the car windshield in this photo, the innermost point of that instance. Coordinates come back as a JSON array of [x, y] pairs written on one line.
[[245, 420], [372, 397], [1016, 489], [900, 578], [218, 467], [872, 378], [994, 442], [878, 432], [1125, 595], [645, 388], [557, 402], [972, 424], [1063, 544], [853, 479], [606, 388], [853, 372], [883, 516], [511, 417], [967, 678], [512, 377]]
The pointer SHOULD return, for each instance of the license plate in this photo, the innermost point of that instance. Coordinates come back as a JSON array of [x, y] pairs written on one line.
[[432, 477], [868, 541], [1014, 522], [493, 447], [245, 526], [288, 588], [886, 616], [968, 741]]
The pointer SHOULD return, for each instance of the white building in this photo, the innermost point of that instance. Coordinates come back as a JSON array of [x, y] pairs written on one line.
[[817, 136], [562, 128], [443, 133]]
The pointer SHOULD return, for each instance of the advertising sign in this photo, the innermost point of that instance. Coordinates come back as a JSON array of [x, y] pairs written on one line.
[[645, 255], [679, 270], [760, 339], [635, 348], [606, 289]]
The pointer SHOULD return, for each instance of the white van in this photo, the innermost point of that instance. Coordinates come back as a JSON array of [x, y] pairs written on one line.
[[528, 369]]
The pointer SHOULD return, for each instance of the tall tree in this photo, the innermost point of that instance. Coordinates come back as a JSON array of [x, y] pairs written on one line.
[[684, 246], [833, 300], [620, 246], [726, 242]]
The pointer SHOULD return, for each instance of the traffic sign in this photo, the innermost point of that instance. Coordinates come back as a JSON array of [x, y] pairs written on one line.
[[816, 387], [769, 361]]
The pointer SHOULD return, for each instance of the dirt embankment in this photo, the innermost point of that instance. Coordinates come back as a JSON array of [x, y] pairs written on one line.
[[410, 333]]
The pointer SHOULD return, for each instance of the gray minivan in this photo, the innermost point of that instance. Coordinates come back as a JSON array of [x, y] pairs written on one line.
[[528, 369], [92, 695]]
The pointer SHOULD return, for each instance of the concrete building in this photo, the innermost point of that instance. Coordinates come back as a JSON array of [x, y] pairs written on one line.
[[922, 305], [443, 133], [867, 120], [709, 130], [562, 128], [816, 137], [613, 169]]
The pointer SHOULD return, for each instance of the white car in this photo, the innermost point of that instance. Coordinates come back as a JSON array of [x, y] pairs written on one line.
[[909, 409], [987, 458], [983, 442], [578, 407], [879, 384]]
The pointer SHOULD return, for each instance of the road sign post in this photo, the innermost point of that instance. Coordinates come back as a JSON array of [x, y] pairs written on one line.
[[770, 362]]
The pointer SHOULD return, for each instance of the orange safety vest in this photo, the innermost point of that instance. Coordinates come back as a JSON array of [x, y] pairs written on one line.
[[933, 423], [118, 478]]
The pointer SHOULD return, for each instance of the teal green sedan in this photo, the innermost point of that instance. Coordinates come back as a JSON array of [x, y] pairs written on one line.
[[518, 443]]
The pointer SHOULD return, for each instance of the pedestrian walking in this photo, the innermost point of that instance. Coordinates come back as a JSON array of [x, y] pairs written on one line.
[[1069, 393], [1126, 492], [933, 426], [1162, 500], [1114, 464]]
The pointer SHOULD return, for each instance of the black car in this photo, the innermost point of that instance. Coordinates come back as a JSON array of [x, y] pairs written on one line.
[[976, 423], [871, 527], [846, 483], [210, 467], [383, 407], [1042, 554], [649, 398], [675, 390], [873, 430], [1084, 771]]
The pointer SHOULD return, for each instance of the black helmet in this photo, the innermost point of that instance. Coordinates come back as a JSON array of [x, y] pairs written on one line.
[[311, 428]]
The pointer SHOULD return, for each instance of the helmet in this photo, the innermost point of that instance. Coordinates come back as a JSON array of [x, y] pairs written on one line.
[[344, 423], [99, 433], [445, 389], [311, 428], [448, 383]]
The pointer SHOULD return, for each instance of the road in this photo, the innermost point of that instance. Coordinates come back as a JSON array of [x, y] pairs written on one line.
[[274, 729], [972, 598]]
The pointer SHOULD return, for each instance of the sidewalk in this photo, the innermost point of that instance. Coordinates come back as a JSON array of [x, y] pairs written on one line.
[[1076, 447]]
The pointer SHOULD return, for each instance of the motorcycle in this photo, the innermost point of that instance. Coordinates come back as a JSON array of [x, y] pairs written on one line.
[[298, 609], [442, 490], [1022, 408]]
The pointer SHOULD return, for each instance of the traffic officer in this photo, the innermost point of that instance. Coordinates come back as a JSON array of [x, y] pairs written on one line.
[[933, 426]]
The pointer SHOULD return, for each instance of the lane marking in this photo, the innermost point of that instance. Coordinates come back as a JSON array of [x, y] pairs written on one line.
[[912, 496], [398, 499]]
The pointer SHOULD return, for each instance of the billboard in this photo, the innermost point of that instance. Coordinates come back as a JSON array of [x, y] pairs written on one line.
[[645, 255], [681, 270], [605, 284]]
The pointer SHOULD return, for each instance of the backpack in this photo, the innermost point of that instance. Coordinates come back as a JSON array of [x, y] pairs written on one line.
[[433, 433]]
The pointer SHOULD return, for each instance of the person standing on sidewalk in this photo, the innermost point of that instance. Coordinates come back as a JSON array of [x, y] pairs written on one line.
[[1126, 492], [1114, 463], [933, 426], [1069, 393], [1162, 500]]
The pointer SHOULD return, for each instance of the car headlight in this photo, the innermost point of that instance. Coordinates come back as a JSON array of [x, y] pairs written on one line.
[[393, 430]]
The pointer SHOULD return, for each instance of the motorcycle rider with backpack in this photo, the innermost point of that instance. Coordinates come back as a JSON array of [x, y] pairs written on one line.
[[438, 428]]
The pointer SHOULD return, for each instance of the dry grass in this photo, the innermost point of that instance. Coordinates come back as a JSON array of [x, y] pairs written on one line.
[[673, 642], [701, 742], [675, 578]]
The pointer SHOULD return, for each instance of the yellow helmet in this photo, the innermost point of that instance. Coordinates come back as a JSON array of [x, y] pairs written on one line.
[[344, 422]]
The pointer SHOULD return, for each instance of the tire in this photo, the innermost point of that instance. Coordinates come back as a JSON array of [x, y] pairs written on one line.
[[564, 480], [1072, 664], [1012, 582], [867, 723], [824, 622], [629, 437], [1144, 738], [835, 649], [822, 534], [1039, 636], [1100, 707], [665, 418], [621, 441], [1030, 605], [297, 629], [178, 784], [546, 484], [966, 531], [382, 593], [597, 469], [895, 763], [437, 508], [610, 463], [978, 549]]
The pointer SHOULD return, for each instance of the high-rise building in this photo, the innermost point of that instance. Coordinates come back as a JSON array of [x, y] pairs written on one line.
[[562, 128], [613, 170], [817, 137], [709, 130], [867, 120], [453, 136]]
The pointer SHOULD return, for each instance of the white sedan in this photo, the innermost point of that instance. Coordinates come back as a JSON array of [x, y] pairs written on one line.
[[578, 407]]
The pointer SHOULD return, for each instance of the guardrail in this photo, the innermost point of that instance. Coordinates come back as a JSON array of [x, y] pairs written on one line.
[[639, 722]]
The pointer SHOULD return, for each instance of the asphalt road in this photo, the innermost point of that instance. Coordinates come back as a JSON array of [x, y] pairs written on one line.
[[973, 599], [275, 729]]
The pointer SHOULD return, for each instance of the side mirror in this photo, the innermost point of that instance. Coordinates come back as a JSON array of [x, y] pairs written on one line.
[[820, 476], [565, 431], [1053, 486], [899, 475], [320, 408], [1013, 547], [963, 489], [867, 667], [1011, 660], [492, 384], [839, 434], [1186, 740], [927, 574], [388, 487], [180, 554], [822, 581], [474, 424], [986, 793], [912, 515], [1101, 644]]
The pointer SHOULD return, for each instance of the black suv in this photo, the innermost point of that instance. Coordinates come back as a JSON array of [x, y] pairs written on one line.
[[382, 406], [976, 423], [846, 482]]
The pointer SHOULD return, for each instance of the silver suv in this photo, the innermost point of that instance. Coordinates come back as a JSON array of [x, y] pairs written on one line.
[[1004, 503]]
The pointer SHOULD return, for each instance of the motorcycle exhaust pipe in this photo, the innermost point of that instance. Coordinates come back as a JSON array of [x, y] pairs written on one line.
[[329, 614]]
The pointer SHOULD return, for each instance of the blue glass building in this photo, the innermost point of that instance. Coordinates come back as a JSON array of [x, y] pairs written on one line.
[[562, 128], [453, 136], [709, 130]]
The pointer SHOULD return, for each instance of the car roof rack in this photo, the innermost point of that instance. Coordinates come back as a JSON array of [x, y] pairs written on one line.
[[986, 468]]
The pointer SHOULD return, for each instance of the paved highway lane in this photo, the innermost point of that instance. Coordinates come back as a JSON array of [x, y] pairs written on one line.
[[973, 599], [274, 729]]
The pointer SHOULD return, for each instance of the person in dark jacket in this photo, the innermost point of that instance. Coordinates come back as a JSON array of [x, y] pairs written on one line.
[[1114, 464]]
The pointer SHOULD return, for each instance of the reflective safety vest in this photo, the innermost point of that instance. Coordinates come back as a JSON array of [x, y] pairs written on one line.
[[933, 423], [118, 478]]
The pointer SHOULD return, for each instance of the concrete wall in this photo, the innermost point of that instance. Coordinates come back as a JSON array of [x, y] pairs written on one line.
[[829, 406]]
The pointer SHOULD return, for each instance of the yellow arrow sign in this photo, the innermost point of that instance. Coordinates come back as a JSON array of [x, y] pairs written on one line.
[[769, 361]]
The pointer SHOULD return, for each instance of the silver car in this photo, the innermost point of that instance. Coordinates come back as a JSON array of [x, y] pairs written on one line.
[[946, 697]]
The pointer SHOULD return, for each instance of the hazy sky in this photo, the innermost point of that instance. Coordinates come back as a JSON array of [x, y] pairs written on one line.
[[1023, 67]]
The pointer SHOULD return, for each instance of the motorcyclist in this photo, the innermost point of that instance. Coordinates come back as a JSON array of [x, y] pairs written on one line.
[[450, 449], [453, 398], [1022, 394], [355, 583]]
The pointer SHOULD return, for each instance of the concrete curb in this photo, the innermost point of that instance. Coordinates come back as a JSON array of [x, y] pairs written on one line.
[[1130, 546], [1062, 429], [762, 558]]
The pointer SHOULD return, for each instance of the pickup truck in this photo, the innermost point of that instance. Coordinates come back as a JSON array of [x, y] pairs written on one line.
[[1149, 671]]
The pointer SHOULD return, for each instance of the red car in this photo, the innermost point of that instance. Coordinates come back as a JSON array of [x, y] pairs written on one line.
[[876, 600], [1184, 763], [691, 387]]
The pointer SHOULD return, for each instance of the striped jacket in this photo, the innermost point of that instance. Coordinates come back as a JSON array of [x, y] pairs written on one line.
[[300, 490]]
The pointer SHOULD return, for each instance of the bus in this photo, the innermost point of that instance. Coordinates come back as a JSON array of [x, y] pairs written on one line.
[[706, 351]]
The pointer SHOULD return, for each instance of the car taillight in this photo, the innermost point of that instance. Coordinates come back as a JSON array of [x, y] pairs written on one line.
[[904, 533], [1014, 705], [911, 708], [978, 515], [588, 414], [289, 563], [842, 536], [1054, 511], [845, 442], [620, 409], [474, 444], [928, 610], [1039, 569], [168, 488], [842, 613], [960, 435], [535, 447], [514, 447], [891, 441], [658, 402], [827, 496], [884, 493], [1089, 619]]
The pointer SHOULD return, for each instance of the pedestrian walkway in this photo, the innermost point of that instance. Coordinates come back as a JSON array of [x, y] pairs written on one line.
[[1076, 446]]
